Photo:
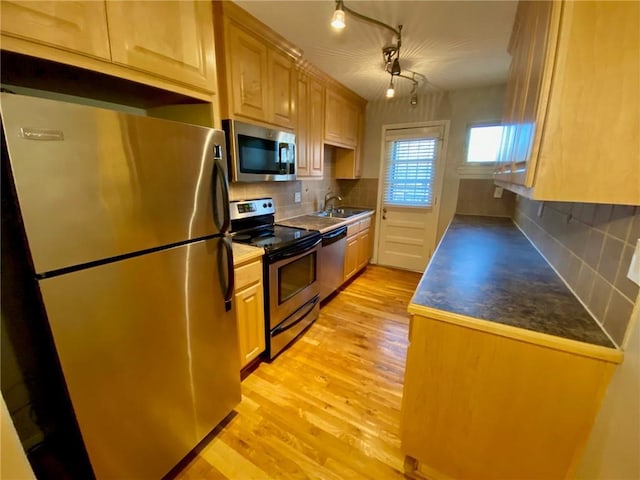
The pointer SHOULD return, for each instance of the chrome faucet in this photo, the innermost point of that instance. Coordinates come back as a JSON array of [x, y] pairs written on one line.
[[328, 197]]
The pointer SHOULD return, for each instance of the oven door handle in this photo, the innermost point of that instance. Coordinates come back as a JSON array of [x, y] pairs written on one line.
[[295, 319], [282, 255]]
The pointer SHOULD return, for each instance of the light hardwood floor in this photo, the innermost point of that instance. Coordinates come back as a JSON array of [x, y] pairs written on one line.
[[329, 406]]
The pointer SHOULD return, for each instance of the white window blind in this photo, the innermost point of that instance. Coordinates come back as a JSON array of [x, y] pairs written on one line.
[[410, 170]]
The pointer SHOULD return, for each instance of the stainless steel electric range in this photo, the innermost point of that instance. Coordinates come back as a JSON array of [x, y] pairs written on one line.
[[292, 293]]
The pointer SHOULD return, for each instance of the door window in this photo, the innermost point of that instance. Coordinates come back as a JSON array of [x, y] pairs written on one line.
[[410, 167]]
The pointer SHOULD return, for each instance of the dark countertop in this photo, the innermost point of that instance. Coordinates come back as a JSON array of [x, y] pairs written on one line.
[[485, 268], [322, 224]]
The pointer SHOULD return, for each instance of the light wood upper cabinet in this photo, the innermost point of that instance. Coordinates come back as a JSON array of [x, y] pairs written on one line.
[[259, 81], [281, 89], [309, 129], [316, 127], [76, 26], [248, 68], [165, 44], [342, 116], [571, 107], [169, 39], [333, 117], [302, 128]]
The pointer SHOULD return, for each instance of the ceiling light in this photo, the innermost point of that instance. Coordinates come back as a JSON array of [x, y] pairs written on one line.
[[390, 53], [337, 21], [391, 91], [413, 100], [395, 67]]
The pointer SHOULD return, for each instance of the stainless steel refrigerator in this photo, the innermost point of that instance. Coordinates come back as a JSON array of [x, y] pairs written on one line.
[[125, 219]]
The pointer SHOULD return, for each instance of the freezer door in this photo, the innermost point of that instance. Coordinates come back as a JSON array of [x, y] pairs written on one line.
[[95, 184], [149, 355]]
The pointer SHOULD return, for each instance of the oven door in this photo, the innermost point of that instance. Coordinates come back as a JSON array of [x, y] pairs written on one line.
[[292, 282]]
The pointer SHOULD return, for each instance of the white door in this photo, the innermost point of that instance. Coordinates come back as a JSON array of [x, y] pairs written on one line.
[[411, 175]]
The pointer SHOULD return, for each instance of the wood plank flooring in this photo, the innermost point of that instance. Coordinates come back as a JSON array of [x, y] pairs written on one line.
[[329, 406]]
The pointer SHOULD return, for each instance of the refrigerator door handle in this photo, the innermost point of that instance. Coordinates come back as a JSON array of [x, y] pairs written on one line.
[[227, 281], [220, 178]]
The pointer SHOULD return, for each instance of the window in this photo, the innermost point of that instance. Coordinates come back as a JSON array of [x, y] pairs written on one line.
[[410, 172], [484, 144]]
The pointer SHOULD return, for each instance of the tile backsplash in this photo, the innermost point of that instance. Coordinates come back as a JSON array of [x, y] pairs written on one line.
[[475, 197], [359, 193], [312, 191], [590, 245]]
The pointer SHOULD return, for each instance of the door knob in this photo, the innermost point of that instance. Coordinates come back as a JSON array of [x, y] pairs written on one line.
[[384, 213]]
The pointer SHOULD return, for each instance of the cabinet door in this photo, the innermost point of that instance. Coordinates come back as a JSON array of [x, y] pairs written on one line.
[[333, 117], [247, 60], [251, 327], [364, 248], [281, 89], [316, 125], [302, 128], [76, 26], [351, 257], [172, 39], [350, 128]]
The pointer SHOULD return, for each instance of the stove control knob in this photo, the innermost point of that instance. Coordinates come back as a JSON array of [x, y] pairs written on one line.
[[264, 205], [270, 205]]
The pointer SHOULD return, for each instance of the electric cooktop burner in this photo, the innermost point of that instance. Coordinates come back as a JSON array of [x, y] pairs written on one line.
[[252, 222], [272, 237]]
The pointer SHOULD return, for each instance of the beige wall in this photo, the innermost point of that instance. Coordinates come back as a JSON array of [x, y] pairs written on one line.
[[462, 108], [13, 461], [612, 449]]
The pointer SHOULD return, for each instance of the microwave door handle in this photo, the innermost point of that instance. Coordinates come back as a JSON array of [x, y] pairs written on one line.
[[282, 155]]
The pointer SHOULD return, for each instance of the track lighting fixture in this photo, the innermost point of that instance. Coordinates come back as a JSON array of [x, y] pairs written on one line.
[[390, 53], [337, 21], [390, 90]]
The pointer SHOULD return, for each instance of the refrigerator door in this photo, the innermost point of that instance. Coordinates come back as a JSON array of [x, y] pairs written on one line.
[[149, 354], [94, 184]]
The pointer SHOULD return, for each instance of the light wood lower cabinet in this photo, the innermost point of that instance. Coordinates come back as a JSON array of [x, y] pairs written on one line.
[[249, 299], [358, 248], [486, 404]]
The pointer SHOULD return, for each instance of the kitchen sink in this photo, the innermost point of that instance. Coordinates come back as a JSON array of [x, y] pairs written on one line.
[[342, 212]]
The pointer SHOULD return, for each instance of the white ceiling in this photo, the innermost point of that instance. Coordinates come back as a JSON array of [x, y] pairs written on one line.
[[455, 44]]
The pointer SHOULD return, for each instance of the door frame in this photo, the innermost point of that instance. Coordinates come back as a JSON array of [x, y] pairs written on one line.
[[441, 163]]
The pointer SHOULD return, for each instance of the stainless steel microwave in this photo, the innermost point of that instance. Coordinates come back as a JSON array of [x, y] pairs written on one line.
[[259, 154]]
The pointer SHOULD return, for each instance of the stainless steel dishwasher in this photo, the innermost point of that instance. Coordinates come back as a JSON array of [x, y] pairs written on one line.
[[331, 261]]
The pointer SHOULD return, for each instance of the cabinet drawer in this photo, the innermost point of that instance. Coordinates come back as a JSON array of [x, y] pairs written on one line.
[[364, 224], [248, 274], [353, 229]]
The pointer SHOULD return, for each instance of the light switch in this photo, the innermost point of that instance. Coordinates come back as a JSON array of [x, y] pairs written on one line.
[[634, 268], [497, 193], [297, 197]]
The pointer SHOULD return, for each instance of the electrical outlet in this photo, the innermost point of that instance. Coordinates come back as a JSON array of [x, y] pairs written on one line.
[[297, 197], [497, 192]]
